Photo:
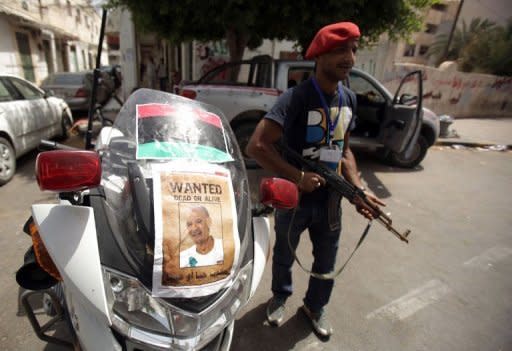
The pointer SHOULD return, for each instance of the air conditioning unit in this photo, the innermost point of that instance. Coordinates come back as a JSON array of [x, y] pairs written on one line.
[[24, 5]]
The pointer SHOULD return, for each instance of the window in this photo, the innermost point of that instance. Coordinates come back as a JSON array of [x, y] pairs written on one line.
[[365, 89], [4, 93], [70, 10], [68, 79], [431, 28], [409, 49], [57, 3], [439, 7], [229, 74], [78, 16], [423, 50], [28, 91], [297, 75]]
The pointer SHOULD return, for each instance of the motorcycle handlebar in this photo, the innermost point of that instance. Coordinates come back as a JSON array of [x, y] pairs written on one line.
[[48, 145]]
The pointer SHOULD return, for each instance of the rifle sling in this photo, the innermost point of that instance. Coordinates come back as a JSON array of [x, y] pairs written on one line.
[[335, 273]]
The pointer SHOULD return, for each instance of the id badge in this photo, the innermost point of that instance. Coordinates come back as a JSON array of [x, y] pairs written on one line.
[[330, 154]]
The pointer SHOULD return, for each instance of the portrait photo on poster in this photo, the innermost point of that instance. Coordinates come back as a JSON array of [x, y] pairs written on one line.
[[196, 236], [199, 246]]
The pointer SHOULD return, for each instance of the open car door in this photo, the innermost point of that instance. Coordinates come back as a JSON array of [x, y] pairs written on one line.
[[401, 127]]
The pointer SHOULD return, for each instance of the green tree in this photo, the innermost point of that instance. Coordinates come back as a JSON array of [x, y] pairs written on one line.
[[489, 52], [246, 23], [461, 38]]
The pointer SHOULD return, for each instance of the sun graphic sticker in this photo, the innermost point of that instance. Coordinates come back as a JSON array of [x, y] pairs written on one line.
[[196, 236]]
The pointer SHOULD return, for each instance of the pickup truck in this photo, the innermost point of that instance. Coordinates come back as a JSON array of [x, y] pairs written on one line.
[[397, 126]]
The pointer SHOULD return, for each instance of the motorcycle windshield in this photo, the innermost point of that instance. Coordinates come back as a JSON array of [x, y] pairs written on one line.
[[177, 198]]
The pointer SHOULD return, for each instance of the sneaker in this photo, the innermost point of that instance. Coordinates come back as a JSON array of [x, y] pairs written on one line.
[[319, 321], [275, 311]]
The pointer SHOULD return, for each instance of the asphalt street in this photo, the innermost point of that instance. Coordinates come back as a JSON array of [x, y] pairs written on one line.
[[450, 288]]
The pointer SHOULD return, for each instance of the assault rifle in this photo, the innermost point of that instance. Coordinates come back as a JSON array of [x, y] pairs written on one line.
[[346, 189]]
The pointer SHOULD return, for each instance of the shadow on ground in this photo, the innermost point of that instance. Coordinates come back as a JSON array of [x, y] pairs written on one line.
[[252, 332]]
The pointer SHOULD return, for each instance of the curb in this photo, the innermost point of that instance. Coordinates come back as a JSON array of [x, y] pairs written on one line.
[[469, 143]]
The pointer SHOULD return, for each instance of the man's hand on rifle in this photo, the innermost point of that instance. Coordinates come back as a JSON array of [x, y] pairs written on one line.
[[310, 181], [369, 207]]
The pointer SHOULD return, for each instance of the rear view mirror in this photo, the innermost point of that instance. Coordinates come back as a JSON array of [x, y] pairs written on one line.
[[407, 99], [48, 92], [279, 193], [64, 170]]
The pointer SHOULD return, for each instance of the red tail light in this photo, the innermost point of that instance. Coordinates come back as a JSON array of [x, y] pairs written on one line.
[[81, 92], [191, 94], [279, 193], [68, 170]]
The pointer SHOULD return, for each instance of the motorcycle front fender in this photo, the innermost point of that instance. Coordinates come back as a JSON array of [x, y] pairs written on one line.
[[69, 234]]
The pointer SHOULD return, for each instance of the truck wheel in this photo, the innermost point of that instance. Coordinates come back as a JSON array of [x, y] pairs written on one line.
[[7, 161], [418, 154], [243, 133]]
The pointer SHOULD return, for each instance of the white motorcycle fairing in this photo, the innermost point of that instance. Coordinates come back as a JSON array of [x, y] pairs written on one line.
[[261, 232], [75, 253]]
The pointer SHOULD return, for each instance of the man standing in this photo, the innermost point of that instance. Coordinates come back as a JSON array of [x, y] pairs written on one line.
[[151, 73], [315, 119], [161, 72]]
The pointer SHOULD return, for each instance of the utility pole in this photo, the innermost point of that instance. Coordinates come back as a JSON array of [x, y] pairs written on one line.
[[450, 37]]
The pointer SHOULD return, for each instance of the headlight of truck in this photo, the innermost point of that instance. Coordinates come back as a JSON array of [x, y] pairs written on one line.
[[138, 315]]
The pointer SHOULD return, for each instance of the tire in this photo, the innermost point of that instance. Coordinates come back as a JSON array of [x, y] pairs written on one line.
[[418, 154], [66, 125], [7, 161], [243, 133]]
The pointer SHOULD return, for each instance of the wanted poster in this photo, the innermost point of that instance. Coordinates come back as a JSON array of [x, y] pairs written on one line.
[[196, 235]]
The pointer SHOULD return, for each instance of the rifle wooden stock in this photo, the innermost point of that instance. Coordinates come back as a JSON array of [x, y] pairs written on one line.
[[346, 189]]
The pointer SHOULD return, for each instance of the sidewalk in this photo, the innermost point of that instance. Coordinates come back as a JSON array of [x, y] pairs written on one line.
[[479, 132]]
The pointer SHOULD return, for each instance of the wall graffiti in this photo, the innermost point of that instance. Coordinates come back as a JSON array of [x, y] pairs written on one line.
[[210, 55], [456, 93]]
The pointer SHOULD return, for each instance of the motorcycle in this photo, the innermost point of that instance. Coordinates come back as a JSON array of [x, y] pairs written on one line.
[[117, 260]]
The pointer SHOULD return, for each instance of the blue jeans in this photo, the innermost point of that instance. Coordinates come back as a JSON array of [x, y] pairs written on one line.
[[312, 216]]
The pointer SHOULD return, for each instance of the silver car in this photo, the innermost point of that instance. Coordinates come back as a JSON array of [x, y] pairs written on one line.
[[27, 115], [70, 86]]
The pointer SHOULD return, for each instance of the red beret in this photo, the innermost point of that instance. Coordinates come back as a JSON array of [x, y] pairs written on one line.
[[330, 37]]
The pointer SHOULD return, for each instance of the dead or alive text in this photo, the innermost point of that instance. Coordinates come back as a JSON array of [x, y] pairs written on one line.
[[199, 198], [195, 188]]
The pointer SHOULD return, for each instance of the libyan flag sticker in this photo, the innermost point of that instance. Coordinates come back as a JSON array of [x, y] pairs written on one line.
[[180, 132]]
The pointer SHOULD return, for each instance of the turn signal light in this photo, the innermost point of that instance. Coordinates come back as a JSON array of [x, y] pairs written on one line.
[[279, 193], [42, 256], [191, 94], [68, 170]]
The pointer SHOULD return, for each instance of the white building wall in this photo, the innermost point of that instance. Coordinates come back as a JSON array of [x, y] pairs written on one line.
[[8, 56], [270, 47], [127, 47], [51, 21]]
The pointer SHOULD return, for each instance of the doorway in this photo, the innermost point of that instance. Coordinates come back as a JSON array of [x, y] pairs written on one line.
[[25, 55]]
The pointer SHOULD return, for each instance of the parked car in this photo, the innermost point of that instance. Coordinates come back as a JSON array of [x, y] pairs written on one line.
[[70, 86], [75, 87], [27, 115], [396, 125]]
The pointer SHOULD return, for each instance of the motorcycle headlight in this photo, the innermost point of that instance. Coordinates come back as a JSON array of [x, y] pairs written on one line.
[[150, 320]]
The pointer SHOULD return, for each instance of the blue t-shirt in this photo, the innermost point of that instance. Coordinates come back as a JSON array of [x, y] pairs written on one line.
[[300, 112]]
